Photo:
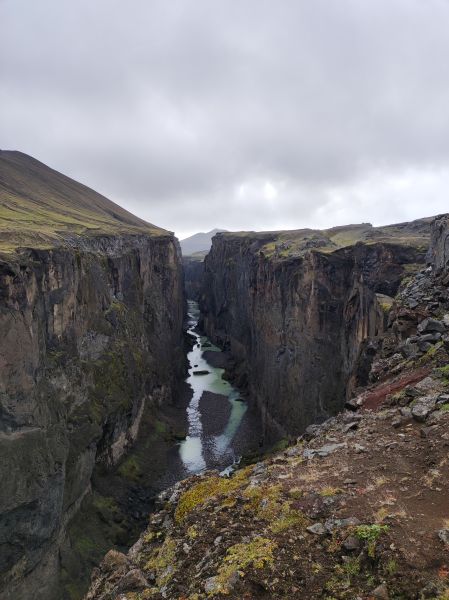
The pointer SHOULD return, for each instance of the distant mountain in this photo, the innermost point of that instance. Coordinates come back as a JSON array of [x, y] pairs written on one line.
[[200, 242]]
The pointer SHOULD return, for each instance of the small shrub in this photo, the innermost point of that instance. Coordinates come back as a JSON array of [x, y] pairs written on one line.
[[370, 534]]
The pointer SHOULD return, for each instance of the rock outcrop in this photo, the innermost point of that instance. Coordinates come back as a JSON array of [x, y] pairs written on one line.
[[439, 250], [91, 311], [296, 309]]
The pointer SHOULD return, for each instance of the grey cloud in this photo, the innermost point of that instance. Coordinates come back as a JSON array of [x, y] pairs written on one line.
[[171, 108]]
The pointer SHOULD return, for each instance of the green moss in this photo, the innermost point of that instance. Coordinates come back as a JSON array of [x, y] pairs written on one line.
[[206, 489], [342, 582], [289, 519], [264, 501], [295, 493], [391, 567], [443, 371], [116, 307], [192, 532], [105, 505], [160, 427], [430, 354], [258, 553], [163, 561], [113, 383]]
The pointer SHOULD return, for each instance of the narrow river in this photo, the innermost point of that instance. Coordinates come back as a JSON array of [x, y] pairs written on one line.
[[216, 410]]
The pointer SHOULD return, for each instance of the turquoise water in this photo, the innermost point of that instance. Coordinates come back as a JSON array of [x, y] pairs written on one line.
[[198, 451]]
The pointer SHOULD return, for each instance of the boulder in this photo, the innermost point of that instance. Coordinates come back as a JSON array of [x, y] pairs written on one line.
[[431, 325], [443, 534], [317, 529], [421, 411]]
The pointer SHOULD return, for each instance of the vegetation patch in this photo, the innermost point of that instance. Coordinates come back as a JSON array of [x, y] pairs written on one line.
[[206, 489], [370, 534], [163, 561], [329, 491], [289, 519], [257, 554], [130, 469]]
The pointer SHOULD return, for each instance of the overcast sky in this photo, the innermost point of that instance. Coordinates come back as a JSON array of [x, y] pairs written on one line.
[[238, 114]]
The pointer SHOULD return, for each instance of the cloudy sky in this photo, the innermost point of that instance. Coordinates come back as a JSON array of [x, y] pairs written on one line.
[[239, 114]]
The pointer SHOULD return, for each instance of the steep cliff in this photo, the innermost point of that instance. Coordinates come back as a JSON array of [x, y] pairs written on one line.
[[193, 275], [354, 508], [91, 310], [295, 309]]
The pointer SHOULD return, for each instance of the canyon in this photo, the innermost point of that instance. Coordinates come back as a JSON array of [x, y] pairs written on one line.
[[310, 340], [356, 505]]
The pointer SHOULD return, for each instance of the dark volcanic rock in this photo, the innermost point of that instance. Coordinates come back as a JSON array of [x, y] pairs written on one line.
[[296, 320], [91, 330], [439, 248], [193, 275]]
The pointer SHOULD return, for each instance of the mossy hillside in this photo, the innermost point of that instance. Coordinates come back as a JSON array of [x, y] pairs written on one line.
[[206, 490], [39, 207], [271, 511]]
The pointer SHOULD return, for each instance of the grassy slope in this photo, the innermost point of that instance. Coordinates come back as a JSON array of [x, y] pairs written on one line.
[[284, 244], [40, 207]]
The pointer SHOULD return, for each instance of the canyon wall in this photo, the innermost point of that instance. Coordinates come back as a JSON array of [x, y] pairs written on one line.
[[193, 276], [91, 337], [296, 315]]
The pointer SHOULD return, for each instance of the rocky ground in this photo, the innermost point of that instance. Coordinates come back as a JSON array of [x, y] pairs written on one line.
[[357, 508]]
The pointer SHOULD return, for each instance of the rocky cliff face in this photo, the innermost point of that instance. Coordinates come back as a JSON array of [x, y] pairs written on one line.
[[439, 250], [354, 508], [193, 276], [89, 340], [91, 337], [295, 310]]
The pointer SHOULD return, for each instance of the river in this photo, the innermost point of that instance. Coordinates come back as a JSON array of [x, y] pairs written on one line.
[[213, 399]]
